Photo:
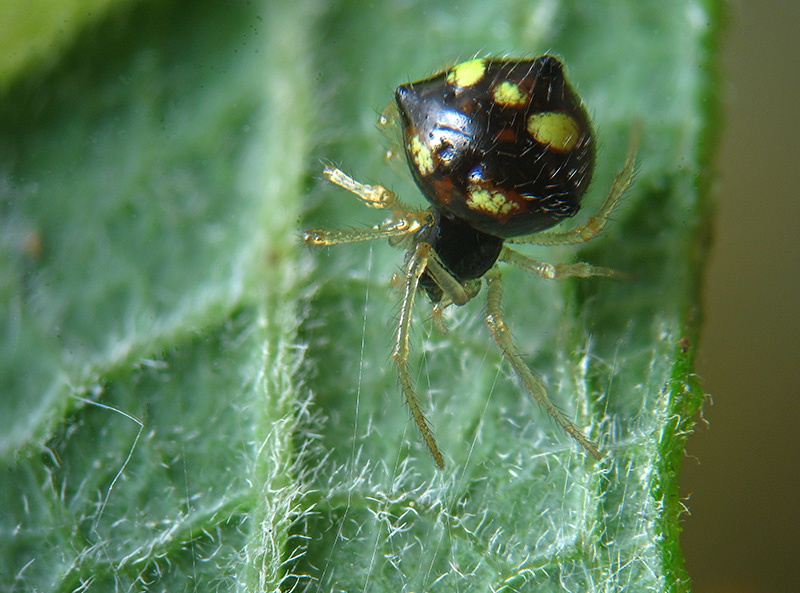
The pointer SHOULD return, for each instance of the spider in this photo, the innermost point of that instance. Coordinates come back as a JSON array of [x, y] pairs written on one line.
[[503, 150]]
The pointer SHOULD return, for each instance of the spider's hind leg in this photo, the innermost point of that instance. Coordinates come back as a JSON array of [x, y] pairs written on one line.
[[533, 384], [598, 222], [557, 271]]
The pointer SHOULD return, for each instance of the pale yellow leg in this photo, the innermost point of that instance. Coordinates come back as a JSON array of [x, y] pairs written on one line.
[[393, 228], [415, 269], [373, 196], [454, 291], [437, 316], [550, 271], [533, 385], [596, 223], [403, 221]]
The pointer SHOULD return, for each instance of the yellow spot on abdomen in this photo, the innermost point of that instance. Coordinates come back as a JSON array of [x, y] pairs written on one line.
[[557, 131], [467, 73], [509, 94], [491, 202], [421, 155]]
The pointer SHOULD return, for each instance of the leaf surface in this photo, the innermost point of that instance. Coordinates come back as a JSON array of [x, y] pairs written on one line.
[[192, 401]]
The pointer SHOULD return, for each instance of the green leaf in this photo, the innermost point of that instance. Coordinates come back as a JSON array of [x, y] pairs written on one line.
[[192, 401]]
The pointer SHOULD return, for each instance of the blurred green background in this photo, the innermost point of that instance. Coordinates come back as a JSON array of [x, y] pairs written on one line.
[[742, 478]]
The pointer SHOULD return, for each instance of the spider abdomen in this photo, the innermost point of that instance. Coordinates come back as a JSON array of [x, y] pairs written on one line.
[[505, 145]]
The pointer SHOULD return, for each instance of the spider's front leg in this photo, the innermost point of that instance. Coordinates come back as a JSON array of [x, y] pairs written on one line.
[[374, 196], [416, 267], [533, 384], [404, 220]]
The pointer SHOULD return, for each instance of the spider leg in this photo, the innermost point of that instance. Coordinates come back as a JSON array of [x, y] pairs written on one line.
[[373, 196], [403, 221], [437, 316], [415, 268], [392, 228], [550, 271], [455, 292], [533, 384], [596, 223]]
